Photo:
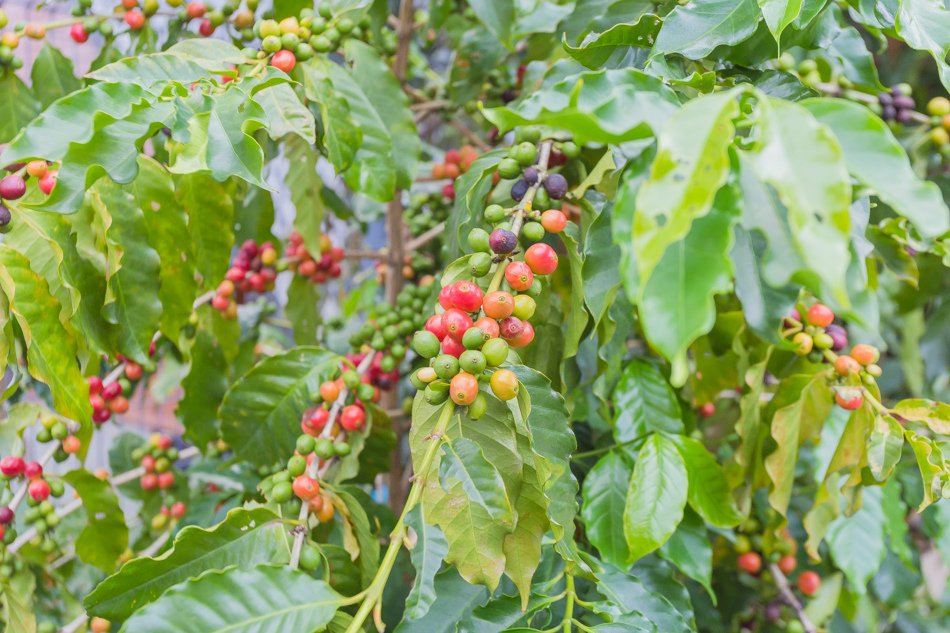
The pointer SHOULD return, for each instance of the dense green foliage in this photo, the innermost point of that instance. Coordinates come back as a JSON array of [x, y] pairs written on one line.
[[661, 327]]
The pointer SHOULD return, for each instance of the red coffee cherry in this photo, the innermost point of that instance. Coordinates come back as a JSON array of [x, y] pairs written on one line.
[[820, 315], [787, 564], [526, 336], [135, 19], [849, 399], [32, 470], [78, 33], [306, 487], [352, 418], [149, 481], [456, 323], [284, 60], [519, 276], [463, 389], [553, 221], [467, 296], [38, 490], [541, 258], [499, 304], [865, 354], [12, 466], [750, 562], [809, 582]]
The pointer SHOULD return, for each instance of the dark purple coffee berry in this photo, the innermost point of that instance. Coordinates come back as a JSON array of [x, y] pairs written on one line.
[[518, 190], [6, 516], [773, 612], [12, 187], [839, 335], [502, 241], [905, 102], [531, 176], [556, 185], [5, 217], [902, 116], [885, 99], [888, 112]]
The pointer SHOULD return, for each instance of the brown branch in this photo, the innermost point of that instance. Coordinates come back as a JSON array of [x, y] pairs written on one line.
[[424, 238], [789, 596], [472, 137]]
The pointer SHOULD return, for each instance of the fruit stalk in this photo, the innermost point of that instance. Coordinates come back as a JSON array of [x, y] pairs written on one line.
[[374, 592], [300, 532], [789, 596]]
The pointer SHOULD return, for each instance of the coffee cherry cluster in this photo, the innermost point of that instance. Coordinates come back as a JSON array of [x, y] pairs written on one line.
[[939, 110], [455, 163], [40, 512], [319, 270], [56, 429], [424, 211], [296, 39], [113, 397], [819, 338], [898, 104], [292, 485], [157, 458], [352, 416], [252, 271], [13, 185], [168, 515], [388, 334]]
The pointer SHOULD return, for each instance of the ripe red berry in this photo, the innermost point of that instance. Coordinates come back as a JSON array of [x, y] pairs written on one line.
[[502, 241], [135, 19], [149, 481], [177, 510], [206, 28], [284, 60], [12, 466], [707, 409], [95, 385], [845, 365], [47, 182], [467, 296], [541, 258], [449, 191], [196, 9], [511, 327], [12, 187], [38, 490], [434, 325], [119, 404], [750, 562], [329, 391], [447, 297], [133, 371], [787, 564], [32, 470], [820, 315], [6, 515], [519, 276], [499, 304], [352, 418], [453, 156], [306, 487], [452, 347], [101, 416], [456, 323], [463, 389], [318, 418], [526, 336], [71, 445], [489, 326], [111, 390], [809, 582], [166, 480], [220, 303], [553, 221], [865, 354], [148, 463], [849, 399], [78, 33]]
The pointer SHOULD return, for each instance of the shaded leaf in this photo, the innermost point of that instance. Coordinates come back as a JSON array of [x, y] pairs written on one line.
[[104, 536], [656, 497]]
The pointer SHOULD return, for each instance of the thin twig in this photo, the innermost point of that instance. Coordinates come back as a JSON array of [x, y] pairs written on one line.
[[472, 137], [789, 596], [75, 625], [424, 238]]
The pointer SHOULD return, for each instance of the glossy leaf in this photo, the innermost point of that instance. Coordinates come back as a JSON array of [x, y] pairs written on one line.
[[857, 544], [285, 113], [656, 497], [690, 550], [463, 462], [885, 444], [930, 462], [925, 26], [597, 48], [261, 411], [605, 497], [778, 14], [185, 62], [52, 75], [695, 29], [204, 387], [875, 157], [935, 415], [18, 106], [709, 492], [427, 555], [498, 16], [104, 536], [240, 600], [210, 222], [644, 403], [244, 539]]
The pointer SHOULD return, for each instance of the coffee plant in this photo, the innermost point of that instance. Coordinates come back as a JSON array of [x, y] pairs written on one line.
[[535, 316]]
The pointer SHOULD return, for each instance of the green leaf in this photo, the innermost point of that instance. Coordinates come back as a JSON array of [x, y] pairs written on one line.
[[237, 600], [628, 594], [709, 493], [878, 161], [372, 170], [427, 555], [644, 403], [803, 161], [261, 411], [52, 75], [133, 270], [341, 136], [807, 401], [462, 461], [689, 549], [471, 190], [605, 496], [168, 234], [185, 62], [935, 415], [695, 29], [244, 539], [885, 444], [857, 544], [677, 302], [930, 462], [302, 310], [73, 119], [18, 106], [925, 26], [204, 387], [19, 613], [598, 47], [211, 224], [219, 131], [285, 113], [601, 277], [585, 105], [51, 346], [778, 14], [498, 16], [691, 164], [455, 599], [305, 186], [20, 416], [390, 102], [365, 550], [656, 497], [104, 536], [895, 515]]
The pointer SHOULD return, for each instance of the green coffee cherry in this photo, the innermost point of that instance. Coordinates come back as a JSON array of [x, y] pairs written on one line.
[[472, 361], [446, 366], [494, 213], [479, 264], [282, 492], [305, 444], [525, 153], [296, 465], [342, 449], [532, 231], [510, 168], [474, 338], [309, 557], [495, 351], [426, 344], [478, 407], [324, 448], [478, 240]]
